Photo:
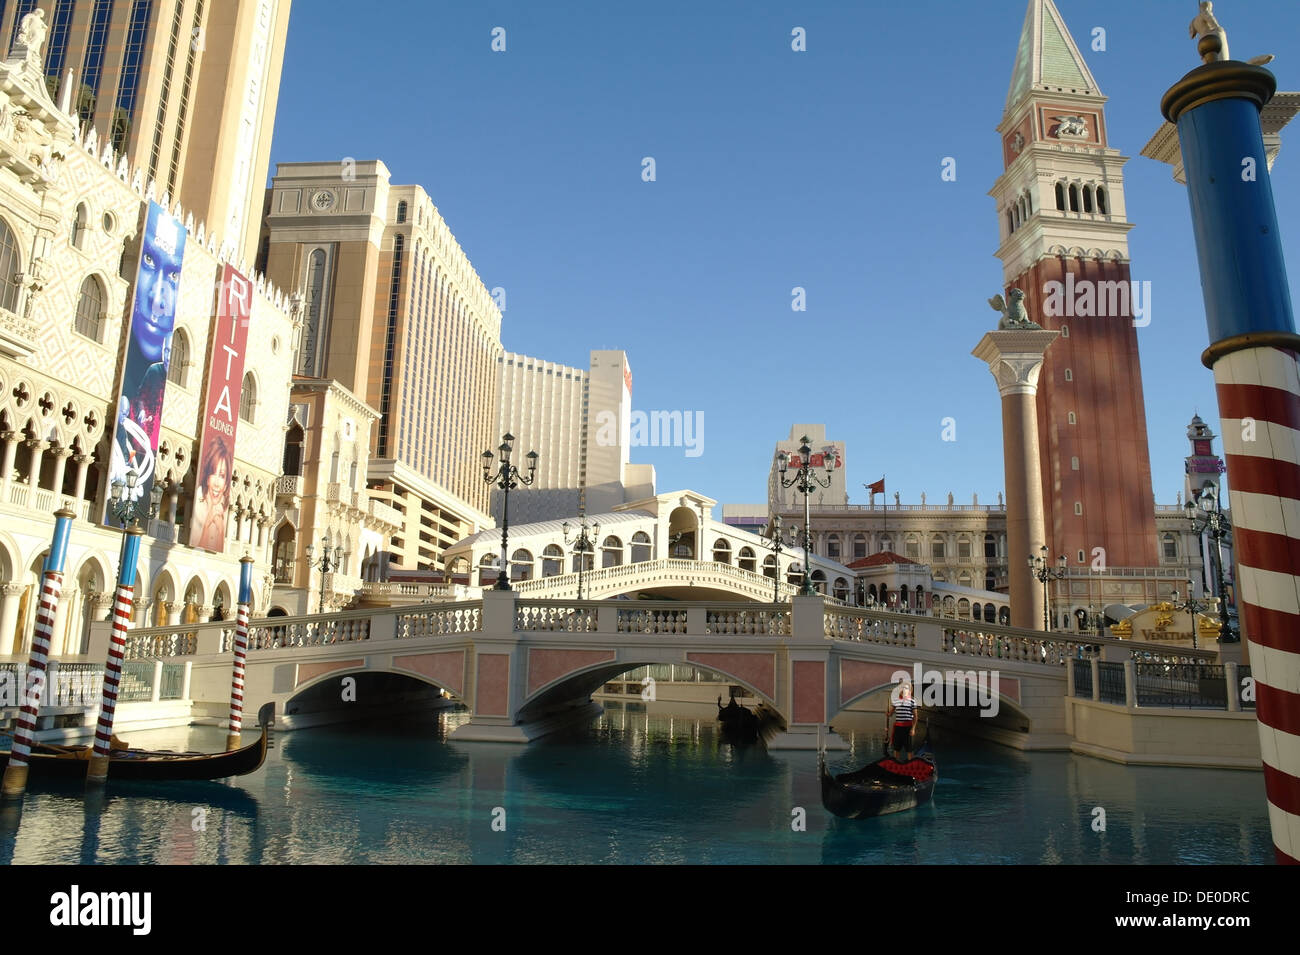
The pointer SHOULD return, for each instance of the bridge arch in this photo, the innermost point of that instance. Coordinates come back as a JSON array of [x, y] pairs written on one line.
[[323, 697], [1007, 707], [578, 684]]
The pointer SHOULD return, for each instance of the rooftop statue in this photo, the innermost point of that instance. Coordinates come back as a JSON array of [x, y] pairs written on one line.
[[1013, 315], [1211, 39], [31, 32]]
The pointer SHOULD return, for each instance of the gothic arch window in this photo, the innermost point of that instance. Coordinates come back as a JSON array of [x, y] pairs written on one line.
[[79, 225], [1073, 419], [1087, 198], [90, 308], [10, 265], [248, 398], [1011, 222], [1065, 331], [1074, 463], [313, 331], [180, 357], [1060, 197], [293, 451], [401, 211], [1069, 375], [1101, 201], [1074, 198]]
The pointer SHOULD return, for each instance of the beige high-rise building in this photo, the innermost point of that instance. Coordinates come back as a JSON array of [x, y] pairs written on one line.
[[579, 423], [186, 90], [396, 314]]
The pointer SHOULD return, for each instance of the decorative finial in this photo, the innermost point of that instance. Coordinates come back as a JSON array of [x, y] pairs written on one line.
[[1013, 314], [1211, 39]]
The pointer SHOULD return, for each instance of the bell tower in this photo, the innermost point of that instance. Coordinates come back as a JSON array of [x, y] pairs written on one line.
[[1063, 230]]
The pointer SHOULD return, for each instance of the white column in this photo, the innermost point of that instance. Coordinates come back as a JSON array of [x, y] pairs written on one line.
[[10, 597], [174, 608], [83, 469], [38, 451], [142, 606], [11, 439], [60, 465], [61, 613]]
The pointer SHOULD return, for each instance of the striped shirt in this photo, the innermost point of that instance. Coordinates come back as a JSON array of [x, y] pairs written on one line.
[[904, 712]]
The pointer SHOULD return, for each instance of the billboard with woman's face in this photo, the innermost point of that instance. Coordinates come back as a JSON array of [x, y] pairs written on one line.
[[220, 414], [144, 372]]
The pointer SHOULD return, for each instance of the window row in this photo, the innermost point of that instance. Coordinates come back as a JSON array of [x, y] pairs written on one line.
[[1093, 198]]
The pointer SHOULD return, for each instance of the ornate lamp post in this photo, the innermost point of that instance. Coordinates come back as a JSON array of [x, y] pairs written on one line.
[[326, 564], [582, 545], [1212, 521], [805, 479], [1191, 605], [507, 477], [126, 507], [1043, 572], [772, 538]]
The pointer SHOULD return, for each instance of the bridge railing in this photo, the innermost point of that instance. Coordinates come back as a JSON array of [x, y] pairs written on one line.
[[672, 568], [870, 626], [652, 617]]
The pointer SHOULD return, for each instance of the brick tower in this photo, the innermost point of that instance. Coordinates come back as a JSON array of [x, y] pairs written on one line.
[[1063, 233]]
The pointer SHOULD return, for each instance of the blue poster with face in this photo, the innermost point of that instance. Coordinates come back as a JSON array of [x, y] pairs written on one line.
[[144, 372]]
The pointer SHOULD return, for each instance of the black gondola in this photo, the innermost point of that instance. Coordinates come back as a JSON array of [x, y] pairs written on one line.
[[64, 762], [879, 788], [739, 723]]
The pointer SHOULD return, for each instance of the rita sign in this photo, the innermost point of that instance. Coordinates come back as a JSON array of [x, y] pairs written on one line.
[[220, 414], [148, 351]]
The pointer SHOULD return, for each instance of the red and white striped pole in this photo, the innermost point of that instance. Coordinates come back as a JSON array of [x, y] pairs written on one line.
[[241, 653], [15, 776], [1253, 352], [97, 771]]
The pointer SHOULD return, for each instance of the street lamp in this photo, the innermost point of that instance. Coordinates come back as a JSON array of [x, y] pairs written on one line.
[[772, 538], [805, 479], [1191, 605], [126, 506], [1216, 524], [326, 564], [582, 545], [506, 477], [1043, 572]]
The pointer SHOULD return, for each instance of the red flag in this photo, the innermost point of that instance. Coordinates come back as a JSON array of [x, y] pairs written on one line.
[[878, 487]]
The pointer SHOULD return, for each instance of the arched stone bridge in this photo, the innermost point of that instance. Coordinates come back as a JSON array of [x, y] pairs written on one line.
[[523, 667]]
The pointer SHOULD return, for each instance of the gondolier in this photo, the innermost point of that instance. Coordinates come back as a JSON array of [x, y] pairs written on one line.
[[901, 719]]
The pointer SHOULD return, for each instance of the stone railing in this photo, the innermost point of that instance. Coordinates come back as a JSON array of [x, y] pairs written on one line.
[[1055, 649], [867, 626], [749, 621], [379, 511], [554, 616], [18, 336], [653, 620], [319, 631], [665, 571], [466, 617], [290, 485], [160, 642]]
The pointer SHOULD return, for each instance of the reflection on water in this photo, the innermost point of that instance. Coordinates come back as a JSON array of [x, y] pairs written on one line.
[[631, 786]]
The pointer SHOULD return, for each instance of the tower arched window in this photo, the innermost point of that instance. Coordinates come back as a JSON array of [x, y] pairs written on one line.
[[1060, 197], [1065, 331], [248, 398], [1072, 419], [1087, 198], [79, 225], [1011, 221], [1069, 375], [180, 357], [1101, 201], [90, 308], [1074, 463], [1074, 198], [313, 330], [10, 265], [401, 211]]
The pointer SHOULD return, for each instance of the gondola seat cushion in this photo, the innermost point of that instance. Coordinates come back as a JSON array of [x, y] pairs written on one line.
[[917, 768]]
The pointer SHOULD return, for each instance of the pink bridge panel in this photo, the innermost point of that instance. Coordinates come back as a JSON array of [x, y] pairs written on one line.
[[492, 689], [809, 681], [1009, 686], [857, 676], [756, 669], [309, 671], [447, 669], [547, 666]]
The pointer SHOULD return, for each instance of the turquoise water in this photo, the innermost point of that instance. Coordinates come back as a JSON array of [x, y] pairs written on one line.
[[631, 787]]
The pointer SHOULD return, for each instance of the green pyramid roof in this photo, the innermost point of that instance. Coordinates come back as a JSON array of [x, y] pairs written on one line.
[[1047, 56]]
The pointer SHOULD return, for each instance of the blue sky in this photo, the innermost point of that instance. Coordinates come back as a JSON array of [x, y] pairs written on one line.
[[774, 169]]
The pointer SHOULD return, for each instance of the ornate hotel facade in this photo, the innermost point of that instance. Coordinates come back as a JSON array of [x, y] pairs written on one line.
[[72, 214]]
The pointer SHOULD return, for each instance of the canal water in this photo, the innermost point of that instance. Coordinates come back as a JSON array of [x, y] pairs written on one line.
[[632, 787]]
